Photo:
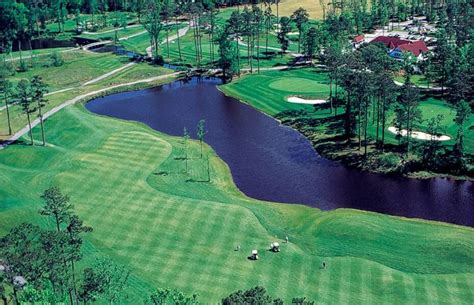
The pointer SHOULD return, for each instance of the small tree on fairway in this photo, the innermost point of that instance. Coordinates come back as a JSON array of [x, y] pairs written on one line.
[[56, 205], [24, 96], [186, 138], [201, 132], [39, 88], [6, 89]]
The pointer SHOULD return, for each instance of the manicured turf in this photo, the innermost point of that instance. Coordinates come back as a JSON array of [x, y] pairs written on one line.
[[127, 182], [268, 90]]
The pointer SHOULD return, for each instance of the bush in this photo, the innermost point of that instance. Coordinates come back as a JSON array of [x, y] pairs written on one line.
[[158, 60], [56, 59], [391, 161], [23, 67]]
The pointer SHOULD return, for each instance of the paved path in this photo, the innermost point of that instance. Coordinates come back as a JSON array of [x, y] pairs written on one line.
[[294, 54], [109, 31], [40, 55], [95, 80], [78, 98], [181, 33], [104, 42]]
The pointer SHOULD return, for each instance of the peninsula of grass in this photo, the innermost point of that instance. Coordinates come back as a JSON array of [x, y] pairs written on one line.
[[128, 182]]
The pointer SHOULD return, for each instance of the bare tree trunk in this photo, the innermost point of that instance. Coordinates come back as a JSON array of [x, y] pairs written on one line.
[[177, 35], [42, 124], [8, 115], [29, 125]]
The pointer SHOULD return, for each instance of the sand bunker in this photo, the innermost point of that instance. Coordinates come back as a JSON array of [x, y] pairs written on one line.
[[299, 100], [419, 135]]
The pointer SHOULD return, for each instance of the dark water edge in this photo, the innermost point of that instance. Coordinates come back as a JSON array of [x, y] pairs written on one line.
[[273, 162]]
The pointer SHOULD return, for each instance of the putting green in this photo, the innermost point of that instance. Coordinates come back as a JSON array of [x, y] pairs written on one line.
[[296, 84], [128, 182]]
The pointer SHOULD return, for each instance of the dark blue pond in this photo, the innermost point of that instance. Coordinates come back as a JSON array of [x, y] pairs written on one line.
[[273, 162]]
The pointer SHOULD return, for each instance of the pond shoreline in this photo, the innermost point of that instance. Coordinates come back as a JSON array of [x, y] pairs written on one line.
[[271, 164], [346, 156]]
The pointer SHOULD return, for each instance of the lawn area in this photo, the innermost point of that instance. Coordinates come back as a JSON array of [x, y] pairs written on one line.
[[127, 182], [287, 7], [79, 67], [267, 91], [72, 75], [110, 34], [39, 53], [140, 43]]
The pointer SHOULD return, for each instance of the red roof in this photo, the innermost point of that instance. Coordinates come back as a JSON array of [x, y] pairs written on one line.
[[416, 47], [358, 38], [390, 42]]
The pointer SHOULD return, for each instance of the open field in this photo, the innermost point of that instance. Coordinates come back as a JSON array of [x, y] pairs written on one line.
[[287, 7], [128, 182], [277, 85], [80, 67]]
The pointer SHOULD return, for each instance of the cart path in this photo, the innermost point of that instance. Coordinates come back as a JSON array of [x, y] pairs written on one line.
[[76, 99]]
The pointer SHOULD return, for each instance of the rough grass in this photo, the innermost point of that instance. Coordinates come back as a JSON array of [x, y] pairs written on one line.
[[127, 182], [78, 67], [72, 75]]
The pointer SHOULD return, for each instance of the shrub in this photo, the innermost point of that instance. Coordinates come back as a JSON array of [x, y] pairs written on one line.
[[56, 59], [23, 67], [390, 161]]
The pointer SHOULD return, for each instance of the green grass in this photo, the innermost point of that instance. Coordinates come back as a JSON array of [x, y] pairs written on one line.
[[127, 182], [418, 80], [121, 32], [78, 67], [268, 91], [39, 53]]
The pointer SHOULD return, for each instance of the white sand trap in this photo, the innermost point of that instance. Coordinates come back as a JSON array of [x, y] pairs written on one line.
[[419, 135], [299, 100]]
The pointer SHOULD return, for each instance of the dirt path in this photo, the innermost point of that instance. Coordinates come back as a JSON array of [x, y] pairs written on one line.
[[76, 99]]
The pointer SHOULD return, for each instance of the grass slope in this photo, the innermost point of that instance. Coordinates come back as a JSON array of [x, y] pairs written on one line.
[[127, 182]]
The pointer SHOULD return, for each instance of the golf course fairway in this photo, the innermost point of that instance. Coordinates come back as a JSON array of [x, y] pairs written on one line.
[[173, 230]]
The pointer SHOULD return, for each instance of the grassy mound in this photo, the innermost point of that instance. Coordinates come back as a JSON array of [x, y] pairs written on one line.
[[128, 182]]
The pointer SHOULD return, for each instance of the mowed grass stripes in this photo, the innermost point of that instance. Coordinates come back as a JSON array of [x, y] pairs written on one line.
[[172, 230]]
